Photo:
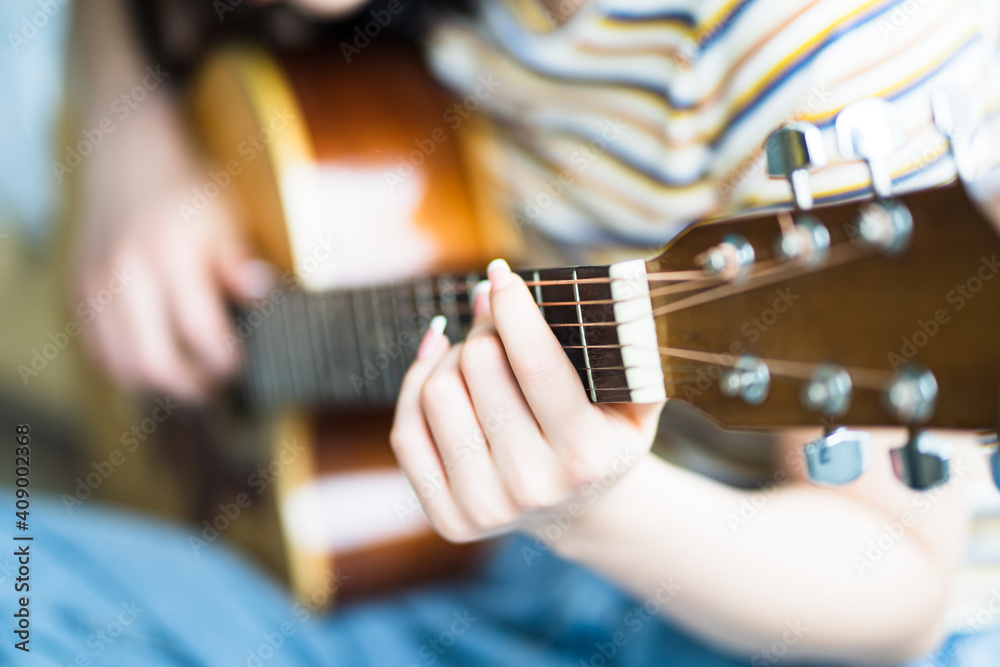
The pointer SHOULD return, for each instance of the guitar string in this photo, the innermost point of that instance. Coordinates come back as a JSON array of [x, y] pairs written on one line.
[[839, 254], [865, 378], [690, 280]]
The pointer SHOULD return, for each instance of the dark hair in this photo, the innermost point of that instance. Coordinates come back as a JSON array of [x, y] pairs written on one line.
[[178, 33]]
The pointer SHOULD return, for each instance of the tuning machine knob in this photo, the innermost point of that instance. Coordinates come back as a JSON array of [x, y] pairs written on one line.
[[912, 395], [750, 379], [792, 151], [731, 260], [923, 462], [870, 130], [839, 457], [828, 391], [885, 225], [808, 240]]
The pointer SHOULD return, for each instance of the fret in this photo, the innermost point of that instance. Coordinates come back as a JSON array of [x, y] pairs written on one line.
[[406, 305], [284, 389], [309, 363], [394, 349], [377, 346], [319, 362], [449, 305], [423, 297], [343, 309], [341, 306], [335, 362], [538, 292], [264, 341], [611, 381], [359, 380], [302, 375], [579, 324], [349, 347], [400, 363], [583, 340], [569, 336], [258, 374]]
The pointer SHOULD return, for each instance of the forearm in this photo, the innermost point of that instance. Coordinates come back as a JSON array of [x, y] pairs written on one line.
[[130, 139], [743, 582]]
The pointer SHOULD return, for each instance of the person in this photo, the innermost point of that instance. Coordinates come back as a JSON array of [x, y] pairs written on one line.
[[695, 90]]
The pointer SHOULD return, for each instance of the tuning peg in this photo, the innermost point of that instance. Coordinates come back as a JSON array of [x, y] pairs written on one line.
[[807, 240], [870, 129], [749, 379], [792, 150], [885, 225], [731, 259], [838, 457], [828, 391], [912, 394], [922, 463], [953, 118]]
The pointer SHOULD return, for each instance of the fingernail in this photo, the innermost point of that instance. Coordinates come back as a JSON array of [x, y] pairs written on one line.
[[257, 277], [499, 273], [434, 332], [481, 298]]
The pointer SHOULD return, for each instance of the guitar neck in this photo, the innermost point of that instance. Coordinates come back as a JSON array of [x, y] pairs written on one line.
[[351, 348]]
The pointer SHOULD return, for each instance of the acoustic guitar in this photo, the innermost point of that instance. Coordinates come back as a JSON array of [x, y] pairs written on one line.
[[356, 181]]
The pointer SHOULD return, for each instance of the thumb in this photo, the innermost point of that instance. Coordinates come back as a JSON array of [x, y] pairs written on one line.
[[243, 276]]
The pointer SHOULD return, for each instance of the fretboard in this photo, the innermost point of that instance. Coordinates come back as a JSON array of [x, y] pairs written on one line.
[[350, 348]]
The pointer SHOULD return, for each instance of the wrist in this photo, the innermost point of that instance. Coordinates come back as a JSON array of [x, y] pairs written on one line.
[[596, 515]]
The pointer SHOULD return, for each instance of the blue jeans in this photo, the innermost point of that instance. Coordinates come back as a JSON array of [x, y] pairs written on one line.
[[111, 588]]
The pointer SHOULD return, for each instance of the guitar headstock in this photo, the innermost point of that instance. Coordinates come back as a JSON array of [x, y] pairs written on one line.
[[866, 313], [892, 320]]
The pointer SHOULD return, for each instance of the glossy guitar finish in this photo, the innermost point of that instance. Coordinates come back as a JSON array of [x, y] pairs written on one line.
[[339, 186]]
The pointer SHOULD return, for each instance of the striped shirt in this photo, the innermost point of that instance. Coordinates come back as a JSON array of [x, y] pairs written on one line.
[[627, 120], [642, 115]]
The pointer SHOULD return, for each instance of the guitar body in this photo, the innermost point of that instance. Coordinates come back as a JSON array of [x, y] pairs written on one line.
[[345, 175]]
